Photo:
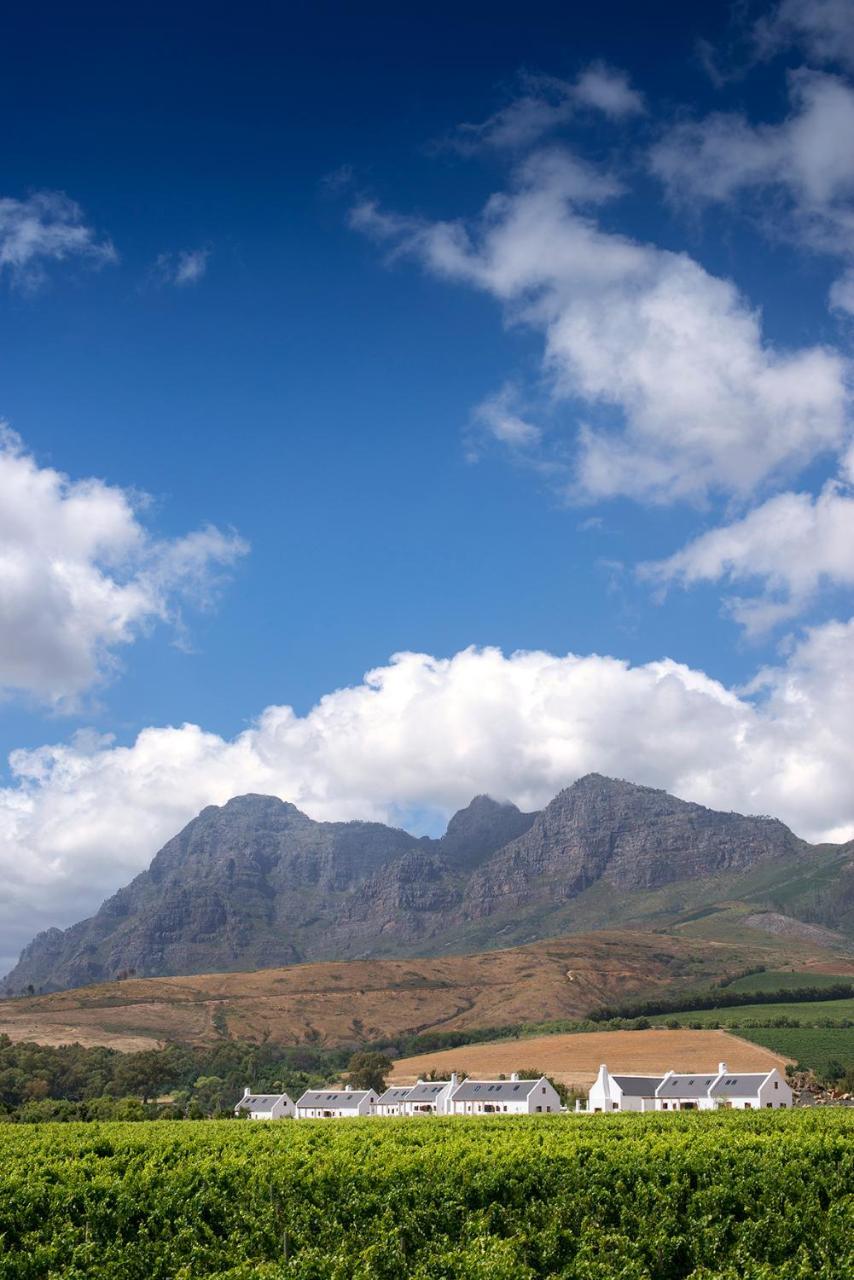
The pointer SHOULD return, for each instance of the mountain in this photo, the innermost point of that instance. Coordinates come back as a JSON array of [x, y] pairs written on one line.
[[256, 883]]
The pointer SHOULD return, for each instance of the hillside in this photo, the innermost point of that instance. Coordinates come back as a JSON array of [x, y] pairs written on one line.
[[360, 1001], [258, 883]]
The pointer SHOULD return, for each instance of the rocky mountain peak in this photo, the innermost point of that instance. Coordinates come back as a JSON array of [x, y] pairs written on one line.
[[477, 831]]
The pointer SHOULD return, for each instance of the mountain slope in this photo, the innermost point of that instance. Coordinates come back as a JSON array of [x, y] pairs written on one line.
[[258, 883]]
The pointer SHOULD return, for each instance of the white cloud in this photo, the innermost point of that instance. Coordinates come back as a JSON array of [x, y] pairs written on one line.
[[499, 417], [426, 734], [842, 292], [547, 104], [825, 29], [187, 266], [46, 227], [608, 90], [790, 547], [80, 576], [808, 157], [682, 393]]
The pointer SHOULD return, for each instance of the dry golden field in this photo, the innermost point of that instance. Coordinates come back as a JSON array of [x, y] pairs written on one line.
[[575, 1059]]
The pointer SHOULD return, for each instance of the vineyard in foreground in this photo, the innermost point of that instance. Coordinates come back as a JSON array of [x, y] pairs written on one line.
[[726, 1196]]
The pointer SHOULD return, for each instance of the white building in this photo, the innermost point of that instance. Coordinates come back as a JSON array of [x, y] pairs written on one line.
[[497, 1097], [741, 1091], [689, 1091], [335, 1104], [265, 1106], [622, 1092], [430, 1097], [391, 1103]]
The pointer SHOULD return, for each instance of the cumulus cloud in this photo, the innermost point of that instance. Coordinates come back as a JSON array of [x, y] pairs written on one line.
[[789, 547], [46, 227], [424, 734], [187, 266], [808, 158], [80, 576], [674, 391], [824, 28]]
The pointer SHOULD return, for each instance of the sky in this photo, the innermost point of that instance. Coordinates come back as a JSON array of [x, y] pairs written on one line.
[[419, 401]]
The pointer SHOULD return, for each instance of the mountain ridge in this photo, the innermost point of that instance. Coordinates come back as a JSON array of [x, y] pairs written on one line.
[[257, 883]]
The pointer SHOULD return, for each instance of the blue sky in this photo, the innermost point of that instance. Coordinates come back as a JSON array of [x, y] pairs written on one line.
[[448, 328]]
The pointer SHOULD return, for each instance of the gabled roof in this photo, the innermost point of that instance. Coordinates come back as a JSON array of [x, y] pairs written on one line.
[[742, 1086], [397, 1093], [493, 1090], [687, 1086], [637, 1086], [427, 1090], [334, 1099], [261, 1101]]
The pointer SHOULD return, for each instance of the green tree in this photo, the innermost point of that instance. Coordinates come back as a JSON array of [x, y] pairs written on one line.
[[368, 1071]]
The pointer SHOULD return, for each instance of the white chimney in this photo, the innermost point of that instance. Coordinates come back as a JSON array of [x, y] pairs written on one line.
[[246, 1091], [454, 1081], [514, 1075], [348, 1088], [722, 1068]]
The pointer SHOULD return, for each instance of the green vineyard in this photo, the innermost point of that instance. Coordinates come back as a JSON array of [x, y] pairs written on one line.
[[713, 1197]]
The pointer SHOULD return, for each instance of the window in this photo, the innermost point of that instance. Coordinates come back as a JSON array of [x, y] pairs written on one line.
[[615, 1106], [544, 1088], [776, 1084]]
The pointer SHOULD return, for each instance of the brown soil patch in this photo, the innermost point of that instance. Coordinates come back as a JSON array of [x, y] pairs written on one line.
[[575, 1059]]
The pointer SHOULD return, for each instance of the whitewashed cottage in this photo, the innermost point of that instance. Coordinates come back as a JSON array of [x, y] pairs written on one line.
[[265, 1106], [391, 1102], [430, 1097], [740, 1091], [622, 1092], [504, 1097], [689, 1091], [335, 1104]]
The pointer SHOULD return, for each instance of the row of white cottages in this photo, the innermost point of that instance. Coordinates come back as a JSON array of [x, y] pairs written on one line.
[[673, 1091], [689, 1091], [452, 1097]]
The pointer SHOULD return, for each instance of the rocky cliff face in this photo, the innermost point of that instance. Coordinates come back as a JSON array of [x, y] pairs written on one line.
[[256, 883]]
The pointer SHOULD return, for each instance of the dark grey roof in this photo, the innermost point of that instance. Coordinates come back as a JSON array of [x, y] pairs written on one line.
[[638, 1086], [396, 1093], [348, 1099], [743, 1086], [261, 1101], [427, 1090], [493, 1090], [685, 1086]]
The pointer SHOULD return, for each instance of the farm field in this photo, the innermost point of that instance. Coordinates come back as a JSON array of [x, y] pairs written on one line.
[[574, 1058], [807, 1011], [713, 1197], [775, 979], [814, 1047]]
